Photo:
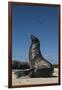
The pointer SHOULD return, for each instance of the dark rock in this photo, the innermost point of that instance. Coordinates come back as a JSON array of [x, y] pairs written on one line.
[[20, 65]]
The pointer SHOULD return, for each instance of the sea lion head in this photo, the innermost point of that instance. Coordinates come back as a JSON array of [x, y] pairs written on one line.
[[34, 39]]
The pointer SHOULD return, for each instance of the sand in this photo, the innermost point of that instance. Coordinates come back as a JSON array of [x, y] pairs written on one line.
[[30, 81]]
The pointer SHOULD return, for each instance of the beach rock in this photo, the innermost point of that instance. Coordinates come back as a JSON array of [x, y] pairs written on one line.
[[41, 66]]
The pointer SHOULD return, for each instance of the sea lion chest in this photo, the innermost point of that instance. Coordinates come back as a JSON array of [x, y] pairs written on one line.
[[34, 51]]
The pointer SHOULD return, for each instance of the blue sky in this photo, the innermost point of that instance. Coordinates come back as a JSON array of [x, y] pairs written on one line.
[[41, 21]]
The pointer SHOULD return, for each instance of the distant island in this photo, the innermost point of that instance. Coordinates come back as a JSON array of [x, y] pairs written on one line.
[[20, 64], [24, 65]]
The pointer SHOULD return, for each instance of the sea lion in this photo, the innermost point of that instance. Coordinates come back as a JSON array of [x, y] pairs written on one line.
[[41, 66]]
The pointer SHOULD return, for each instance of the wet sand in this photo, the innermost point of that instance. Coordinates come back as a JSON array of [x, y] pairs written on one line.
[[26, 80]]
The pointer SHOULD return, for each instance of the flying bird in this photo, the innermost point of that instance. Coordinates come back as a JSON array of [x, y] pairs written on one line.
[[39, 21]]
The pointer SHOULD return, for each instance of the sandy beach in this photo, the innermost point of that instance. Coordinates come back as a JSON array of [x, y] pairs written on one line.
[[30, 81]]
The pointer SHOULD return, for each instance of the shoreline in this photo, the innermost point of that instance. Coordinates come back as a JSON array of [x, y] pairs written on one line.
[[26, 80]]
